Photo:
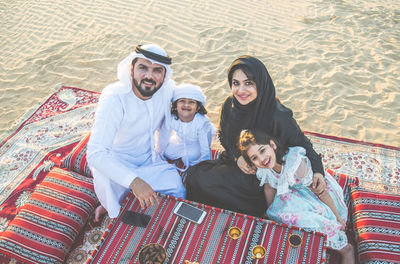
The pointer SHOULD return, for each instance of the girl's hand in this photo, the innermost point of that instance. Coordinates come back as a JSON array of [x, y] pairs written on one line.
[[242, 164]]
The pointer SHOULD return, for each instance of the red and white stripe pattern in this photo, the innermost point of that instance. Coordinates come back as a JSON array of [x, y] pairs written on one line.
[[207, 242], [76, 159], [47, 225], [376, 218]]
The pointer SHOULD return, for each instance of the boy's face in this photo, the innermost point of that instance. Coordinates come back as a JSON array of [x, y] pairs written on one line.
[[186, 108], [263, 156]]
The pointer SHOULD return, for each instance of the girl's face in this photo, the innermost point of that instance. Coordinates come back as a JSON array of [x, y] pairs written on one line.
[[186, 108], [244, 90], [263, 156]]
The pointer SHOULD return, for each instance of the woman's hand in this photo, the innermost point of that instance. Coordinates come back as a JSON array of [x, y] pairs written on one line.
[[319, 184], [242, 164]]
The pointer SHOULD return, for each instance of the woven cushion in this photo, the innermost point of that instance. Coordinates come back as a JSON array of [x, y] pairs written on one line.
[[76, 159], [376, 218], [345, 181], [46, 226]]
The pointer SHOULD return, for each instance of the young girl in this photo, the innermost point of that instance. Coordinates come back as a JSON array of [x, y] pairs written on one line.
[[286, 175], [191, 131]]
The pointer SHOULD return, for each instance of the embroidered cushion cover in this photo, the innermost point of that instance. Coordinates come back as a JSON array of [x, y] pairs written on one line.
[[376, 218], [46, 226], [76, 159]]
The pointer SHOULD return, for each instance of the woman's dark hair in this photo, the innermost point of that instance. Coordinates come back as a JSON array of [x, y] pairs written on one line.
[[242, 67], [200, 109], [252, 137]]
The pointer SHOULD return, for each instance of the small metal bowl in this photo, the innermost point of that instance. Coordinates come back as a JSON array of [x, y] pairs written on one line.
[[235, 232], [295, 240], [258, 252]]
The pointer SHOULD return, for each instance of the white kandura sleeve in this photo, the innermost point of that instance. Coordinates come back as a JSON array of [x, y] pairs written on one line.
[[108, 118], [205, 135], [163, 137]]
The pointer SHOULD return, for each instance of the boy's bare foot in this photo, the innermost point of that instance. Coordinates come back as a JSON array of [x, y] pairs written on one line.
[[99, 212]]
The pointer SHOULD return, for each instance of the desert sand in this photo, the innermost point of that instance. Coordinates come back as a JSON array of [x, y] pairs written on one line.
[[336, 64]]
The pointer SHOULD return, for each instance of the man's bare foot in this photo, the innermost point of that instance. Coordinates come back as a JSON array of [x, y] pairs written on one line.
[[99, 212]]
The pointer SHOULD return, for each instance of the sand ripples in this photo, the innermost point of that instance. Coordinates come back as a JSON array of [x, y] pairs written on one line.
[[336, 64]]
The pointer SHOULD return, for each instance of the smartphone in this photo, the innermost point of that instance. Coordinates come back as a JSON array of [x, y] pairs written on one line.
[[190, 212], [136, 219]]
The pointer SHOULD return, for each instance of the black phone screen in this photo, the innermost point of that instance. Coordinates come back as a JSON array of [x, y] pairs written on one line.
[[136, 219]]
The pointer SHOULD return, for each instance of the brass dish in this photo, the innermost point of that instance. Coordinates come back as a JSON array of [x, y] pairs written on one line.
[[235, 232], [258, 252]]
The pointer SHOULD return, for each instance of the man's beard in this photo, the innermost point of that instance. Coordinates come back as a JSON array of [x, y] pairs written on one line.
[[143, 91]]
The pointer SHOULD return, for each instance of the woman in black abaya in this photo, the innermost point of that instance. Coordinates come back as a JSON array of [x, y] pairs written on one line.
[[228, 182]]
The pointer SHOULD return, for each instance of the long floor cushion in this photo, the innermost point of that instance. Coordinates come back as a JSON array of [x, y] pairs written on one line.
[[376, 219], [46, 226]]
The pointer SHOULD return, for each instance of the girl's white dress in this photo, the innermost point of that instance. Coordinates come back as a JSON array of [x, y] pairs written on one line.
[[295, 204], [189, 141]]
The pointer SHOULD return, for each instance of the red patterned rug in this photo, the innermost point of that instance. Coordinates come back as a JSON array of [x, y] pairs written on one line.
[[50, 132], [47, 135]]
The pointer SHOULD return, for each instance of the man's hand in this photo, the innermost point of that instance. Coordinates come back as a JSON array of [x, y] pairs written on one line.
[[319, 184], [242, 164], [144, 193]]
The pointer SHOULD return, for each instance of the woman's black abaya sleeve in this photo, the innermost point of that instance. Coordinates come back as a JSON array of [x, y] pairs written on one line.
[[223, 129], [289, 133]]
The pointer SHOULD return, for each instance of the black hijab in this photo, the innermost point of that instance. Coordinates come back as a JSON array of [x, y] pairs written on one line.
[[259, 113]]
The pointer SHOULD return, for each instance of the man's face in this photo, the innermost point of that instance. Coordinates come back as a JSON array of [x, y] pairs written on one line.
[[147, 78]]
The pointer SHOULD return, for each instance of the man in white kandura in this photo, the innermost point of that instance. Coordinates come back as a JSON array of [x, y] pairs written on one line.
[[121, 152]]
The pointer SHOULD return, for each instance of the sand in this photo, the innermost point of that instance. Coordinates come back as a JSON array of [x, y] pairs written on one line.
[[336, 64]]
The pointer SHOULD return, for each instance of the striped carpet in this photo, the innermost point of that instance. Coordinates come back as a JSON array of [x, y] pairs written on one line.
[[207, 242]]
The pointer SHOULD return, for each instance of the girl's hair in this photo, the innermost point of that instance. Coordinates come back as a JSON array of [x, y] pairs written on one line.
[[249, 138], [201, 109], [242, 67]]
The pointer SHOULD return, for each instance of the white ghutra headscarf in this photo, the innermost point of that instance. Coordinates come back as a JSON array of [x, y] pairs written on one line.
[[155, 54]]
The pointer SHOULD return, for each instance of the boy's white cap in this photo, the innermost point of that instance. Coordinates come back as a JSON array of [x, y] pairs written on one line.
[[186, 90]]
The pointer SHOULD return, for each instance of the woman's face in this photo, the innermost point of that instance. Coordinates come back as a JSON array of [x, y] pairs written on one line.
[[244, 90], [263, 156]]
